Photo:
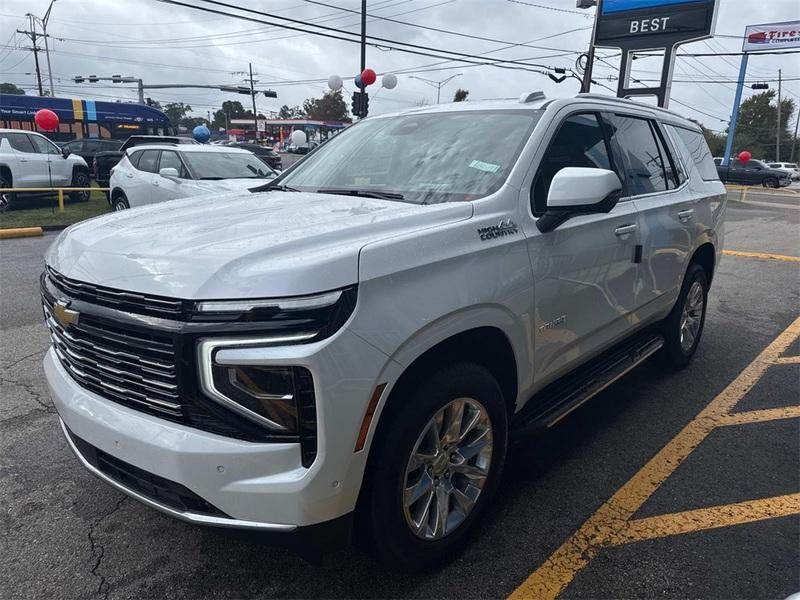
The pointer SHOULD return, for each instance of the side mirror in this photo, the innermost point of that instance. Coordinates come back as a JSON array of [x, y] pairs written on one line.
[[65, 152], [579, 190], [169, 172]]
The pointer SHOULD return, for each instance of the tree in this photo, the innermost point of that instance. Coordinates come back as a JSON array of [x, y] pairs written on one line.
[[176, 112], [715, 141], [295, 112], [10, 88], [192, 122], [331, 107], [756, 126], [460, 95], [231, 109]]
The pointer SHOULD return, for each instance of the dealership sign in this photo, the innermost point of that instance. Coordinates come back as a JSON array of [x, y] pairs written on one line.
[[772, 36], [634, 25]]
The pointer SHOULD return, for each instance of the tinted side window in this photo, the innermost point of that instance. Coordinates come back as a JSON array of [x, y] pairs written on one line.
[[698, 148], [579, 142], [43, 145], [148, 161], [644, 165], [672, 166], [134, 157], [19, 142], [172, 160], [74, 145]]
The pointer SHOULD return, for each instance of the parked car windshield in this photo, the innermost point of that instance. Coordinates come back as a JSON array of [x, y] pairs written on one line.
[[227, 165], [421, 158]]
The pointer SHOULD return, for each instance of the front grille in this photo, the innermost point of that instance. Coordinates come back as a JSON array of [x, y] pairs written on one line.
[[146, 304], [130, 368], [156, 488]]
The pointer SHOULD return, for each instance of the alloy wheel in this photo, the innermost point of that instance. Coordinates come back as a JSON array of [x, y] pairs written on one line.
[[692, 316], [448, 469]]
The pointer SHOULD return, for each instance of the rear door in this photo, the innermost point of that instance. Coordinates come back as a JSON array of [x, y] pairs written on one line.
[[584, 271], [658, 185], [30, 169]]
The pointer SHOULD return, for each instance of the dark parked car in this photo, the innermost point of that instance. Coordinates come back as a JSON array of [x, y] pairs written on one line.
[[87, 148], [105, 161], [752, 172], [267, 155]]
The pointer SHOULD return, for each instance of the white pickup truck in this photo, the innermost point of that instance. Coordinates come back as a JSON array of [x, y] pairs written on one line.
[[30, 160], [350, 349]]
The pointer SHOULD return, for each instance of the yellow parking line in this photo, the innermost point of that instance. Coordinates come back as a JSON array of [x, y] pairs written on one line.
[[759, 416], [709, 518], [788, 360], [761, 255], [556, 573]]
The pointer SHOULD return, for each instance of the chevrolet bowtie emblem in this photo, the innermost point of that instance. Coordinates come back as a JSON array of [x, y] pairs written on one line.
[[65, 315]]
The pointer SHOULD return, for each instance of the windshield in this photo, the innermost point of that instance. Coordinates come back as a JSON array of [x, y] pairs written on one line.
[[420, 158], [227, 165]]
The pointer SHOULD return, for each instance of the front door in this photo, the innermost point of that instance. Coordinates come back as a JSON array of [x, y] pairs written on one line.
[[167, 188], [59, 167], [584, 271]]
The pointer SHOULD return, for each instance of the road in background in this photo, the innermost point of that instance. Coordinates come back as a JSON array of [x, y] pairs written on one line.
[[68, 535]]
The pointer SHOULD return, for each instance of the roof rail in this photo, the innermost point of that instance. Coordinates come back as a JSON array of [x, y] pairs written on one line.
[[529, 97], [628, 101]]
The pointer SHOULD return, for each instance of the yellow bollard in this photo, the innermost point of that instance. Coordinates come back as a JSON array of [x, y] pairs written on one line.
[[743, 197], [61, 200]]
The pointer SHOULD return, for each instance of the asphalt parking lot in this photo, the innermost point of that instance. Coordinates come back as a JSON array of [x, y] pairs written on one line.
[[669, 485]]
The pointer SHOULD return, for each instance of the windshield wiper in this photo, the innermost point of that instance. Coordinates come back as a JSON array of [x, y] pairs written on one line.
[[269, 187], [363, 193]]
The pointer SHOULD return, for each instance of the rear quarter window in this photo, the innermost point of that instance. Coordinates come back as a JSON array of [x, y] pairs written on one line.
[[698, 150]]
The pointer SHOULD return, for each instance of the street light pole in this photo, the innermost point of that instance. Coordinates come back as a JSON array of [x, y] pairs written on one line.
[[586, 83], [778, 136], [44, 20]]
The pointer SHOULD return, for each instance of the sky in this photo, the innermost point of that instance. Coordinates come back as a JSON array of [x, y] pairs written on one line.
[[163, 43]]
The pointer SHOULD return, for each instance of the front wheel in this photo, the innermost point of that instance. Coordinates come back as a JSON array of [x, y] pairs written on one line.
[[436, 467], [770, 182], [80, 179], [684, 326]]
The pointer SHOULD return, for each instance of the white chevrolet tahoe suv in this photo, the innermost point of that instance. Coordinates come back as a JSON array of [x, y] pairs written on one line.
[[350, 349], [30, 160]]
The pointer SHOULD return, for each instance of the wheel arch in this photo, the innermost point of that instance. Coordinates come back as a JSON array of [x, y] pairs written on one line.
[[705, 255], [5, 171]]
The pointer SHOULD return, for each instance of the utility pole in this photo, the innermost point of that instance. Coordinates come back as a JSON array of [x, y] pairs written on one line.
[[794, 140], [253, 96], [586, 83], [778, 136], [33, 35], [44, 21], [437, 84]]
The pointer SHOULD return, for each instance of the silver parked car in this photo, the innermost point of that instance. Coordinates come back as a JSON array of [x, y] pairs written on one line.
[[351, 347]]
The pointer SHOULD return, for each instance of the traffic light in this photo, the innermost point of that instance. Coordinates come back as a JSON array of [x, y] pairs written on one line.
[[79, 79], [116, 79], [760, 86], [270, 94], [93, 79], [360, 104]]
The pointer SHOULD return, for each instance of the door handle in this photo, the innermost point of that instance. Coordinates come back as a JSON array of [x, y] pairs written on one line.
[[155, 184], [625, 229], [23, 160], [686, 215]]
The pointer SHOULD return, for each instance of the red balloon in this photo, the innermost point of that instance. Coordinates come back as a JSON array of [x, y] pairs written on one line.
[[368, 76], [46, 119], [744, 156]]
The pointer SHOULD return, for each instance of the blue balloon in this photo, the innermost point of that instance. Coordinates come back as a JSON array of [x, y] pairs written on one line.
[[358, 81], [201, 134]]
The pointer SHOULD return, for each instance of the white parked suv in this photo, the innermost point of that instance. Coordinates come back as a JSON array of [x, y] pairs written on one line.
[[790, 169], [155, 173], [30, 160], [350, 349]]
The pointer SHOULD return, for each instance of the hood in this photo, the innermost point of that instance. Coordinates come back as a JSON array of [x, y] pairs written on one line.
[[266, 244]]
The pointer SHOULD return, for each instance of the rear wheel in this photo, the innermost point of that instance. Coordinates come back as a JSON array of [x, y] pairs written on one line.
[[120, 203], [80, 179], [684, 325], [6, 198], [435, 468]]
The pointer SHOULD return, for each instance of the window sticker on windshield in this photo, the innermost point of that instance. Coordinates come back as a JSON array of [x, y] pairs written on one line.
[[484, 166], [361, 181]]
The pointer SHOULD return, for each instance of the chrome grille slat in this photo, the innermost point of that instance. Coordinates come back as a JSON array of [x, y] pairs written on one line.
[[102, 295], [126, 367]]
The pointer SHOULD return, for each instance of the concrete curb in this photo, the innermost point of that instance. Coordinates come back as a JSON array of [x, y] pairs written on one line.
[[20, 232]]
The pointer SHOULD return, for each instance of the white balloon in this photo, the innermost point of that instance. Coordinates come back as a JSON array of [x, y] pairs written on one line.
[[299, 137], [389, 81], [335, 82]]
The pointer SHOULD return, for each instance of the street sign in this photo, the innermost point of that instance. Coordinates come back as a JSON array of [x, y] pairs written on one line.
[[772, 36], [634, 25]]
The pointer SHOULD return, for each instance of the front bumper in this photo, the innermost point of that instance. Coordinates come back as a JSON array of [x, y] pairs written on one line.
[[256, 486]]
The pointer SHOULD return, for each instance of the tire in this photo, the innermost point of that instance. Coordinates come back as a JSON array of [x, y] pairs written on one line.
[[7, 199], [770, 182], [386, 515], [120, 202], [683, 328], [80, 179]]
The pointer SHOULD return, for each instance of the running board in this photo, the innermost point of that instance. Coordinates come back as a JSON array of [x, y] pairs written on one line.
[[559, 399]]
